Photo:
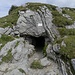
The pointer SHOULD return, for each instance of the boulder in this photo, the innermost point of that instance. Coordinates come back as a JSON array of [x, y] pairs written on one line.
[[45, 62], [36, 23]]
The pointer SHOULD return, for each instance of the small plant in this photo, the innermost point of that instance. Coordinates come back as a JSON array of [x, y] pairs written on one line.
[[44, 50], [22, 71], [8, 57], [36, 65]]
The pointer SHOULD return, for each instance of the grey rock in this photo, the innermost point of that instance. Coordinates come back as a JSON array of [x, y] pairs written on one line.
[[9, 31], [50, 52], [45, 62], [56, 48], [2, 30], [36, 23], [73, 63]]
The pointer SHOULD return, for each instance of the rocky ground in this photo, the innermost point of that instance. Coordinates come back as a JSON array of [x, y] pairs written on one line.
[[23, 54]]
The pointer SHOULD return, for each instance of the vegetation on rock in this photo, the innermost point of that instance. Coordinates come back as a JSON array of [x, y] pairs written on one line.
[[36, 65], [8, 57], [4, 39], [22, 71]]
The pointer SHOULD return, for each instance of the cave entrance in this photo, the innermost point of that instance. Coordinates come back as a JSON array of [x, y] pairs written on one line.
[[38, 42]]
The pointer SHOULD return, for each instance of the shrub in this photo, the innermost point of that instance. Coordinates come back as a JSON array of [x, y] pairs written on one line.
[[36, 65]]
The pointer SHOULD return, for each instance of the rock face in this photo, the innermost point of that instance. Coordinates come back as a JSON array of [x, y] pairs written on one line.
[[36, 23], [53, 53], [19, 60]]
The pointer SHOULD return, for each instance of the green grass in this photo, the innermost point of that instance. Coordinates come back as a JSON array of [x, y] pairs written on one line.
[[8, 57], [59, 20], [36, 65], [64, 31], [5, 38], [69, 50], [70, 12]]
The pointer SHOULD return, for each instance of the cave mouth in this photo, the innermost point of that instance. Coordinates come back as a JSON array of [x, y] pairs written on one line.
[[38, 42]]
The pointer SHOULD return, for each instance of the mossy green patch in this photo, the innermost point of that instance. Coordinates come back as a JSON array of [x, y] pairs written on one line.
[[4, 39], [22, 71], [8, 57], [36, 65], [64, 31]]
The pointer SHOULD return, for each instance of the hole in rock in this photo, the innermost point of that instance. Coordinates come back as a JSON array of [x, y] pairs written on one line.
[[38, 42]]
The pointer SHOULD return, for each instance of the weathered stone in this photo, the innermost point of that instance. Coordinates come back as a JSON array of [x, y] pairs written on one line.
[[73, 63], [50, 52], [56, 48], [45, 62], [36, 23]]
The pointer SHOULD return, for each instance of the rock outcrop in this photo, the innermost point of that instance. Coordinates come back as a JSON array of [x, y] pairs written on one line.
[[16, 56], [37, 23]]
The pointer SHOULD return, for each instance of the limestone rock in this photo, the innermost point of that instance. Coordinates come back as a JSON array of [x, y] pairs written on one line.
[[45, 62], [73, 63], [56, 48], [50, 52], [36, 23]]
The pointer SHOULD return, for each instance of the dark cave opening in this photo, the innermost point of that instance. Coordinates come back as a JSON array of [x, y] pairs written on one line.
[[38, 42]]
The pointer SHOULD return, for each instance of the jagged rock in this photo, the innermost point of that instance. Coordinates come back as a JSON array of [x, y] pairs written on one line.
[[67, 16], [20, 51], [73, 63], [50, 52], [36, 23], [45, 62], [6, 30], [56, 48], [9, 31]]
